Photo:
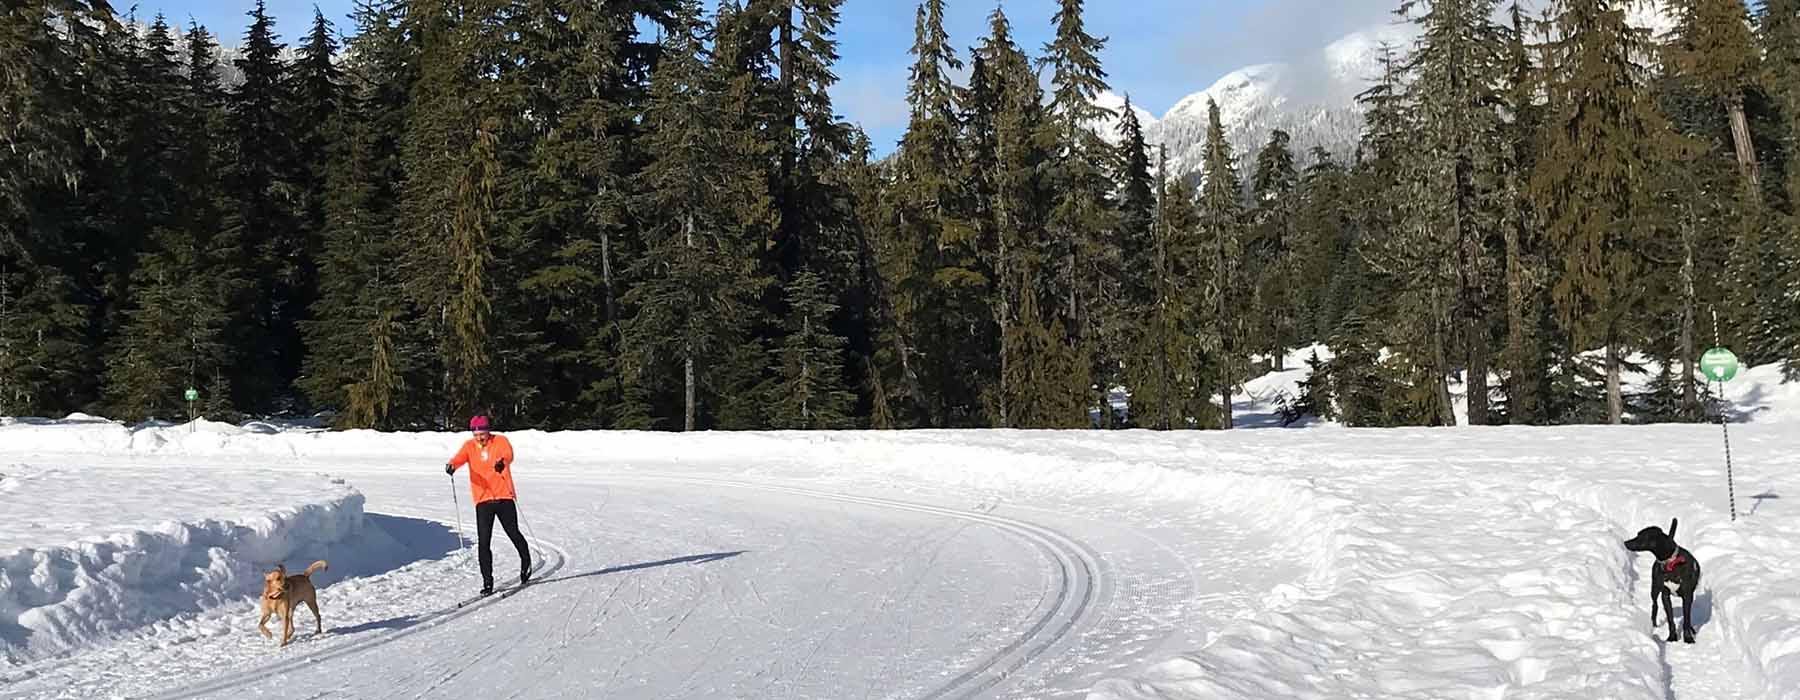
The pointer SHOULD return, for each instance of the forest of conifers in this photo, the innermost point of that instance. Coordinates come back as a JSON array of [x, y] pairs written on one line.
[[647, 214]]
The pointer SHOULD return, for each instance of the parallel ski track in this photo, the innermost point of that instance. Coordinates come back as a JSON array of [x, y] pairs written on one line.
[[542, 568], [1082, 585]]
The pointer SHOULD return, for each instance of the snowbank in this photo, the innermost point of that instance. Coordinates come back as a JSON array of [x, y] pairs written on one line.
[[110, 550]]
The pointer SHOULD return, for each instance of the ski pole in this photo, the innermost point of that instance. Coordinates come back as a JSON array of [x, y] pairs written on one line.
[[461, 541]]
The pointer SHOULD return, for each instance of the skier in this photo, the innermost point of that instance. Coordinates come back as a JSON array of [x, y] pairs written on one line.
[[488, 457]]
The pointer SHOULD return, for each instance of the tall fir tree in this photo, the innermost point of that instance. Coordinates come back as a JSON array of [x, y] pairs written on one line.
[[1442, 262], [1778, 24], [1137, 200], [362, 348], [1143, 271], [1081, 243], [706, 211], [1523, 372], [1322, 228], [1269, 249], [451, 159], [1009, 155], [1603, 136], [944, 286], [150, 359], [315, 89], [808, 392], [1701, 190], [1379, 202], [1169, 373], [1222, 230], [576, 196], [262, 216], [1712, 54]]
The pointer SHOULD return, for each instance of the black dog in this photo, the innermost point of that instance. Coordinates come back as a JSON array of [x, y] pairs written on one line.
[[1676, 571]]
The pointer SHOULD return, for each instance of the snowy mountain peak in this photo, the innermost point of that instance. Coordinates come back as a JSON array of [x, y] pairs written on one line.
[[1312, 96]]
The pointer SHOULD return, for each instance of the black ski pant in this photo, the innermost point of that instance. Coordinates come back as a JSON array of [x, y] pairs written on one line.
[[508, 512]]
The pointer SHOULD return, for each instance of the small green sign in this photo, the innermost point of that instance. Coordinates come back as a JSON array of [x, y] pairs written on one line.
[[192, 395], [1719, 365]]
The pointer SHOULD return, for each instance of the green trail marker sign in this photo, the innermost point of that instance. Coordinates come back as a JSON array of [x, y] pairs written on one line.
[[1719, 365], [192, 394]]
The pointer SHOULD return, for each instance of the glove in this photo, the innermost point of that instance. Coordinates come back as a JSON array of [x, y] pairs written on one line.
[[450, 469], [499, 466]]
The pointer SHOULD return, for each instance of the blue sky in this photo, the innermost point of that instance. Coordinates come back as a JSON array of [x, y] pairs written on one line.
[[1158, 50]]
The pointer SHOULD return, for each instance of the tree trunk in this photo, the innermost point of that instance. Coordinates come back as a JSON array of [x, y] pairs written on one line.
[[1690, 403], [1746, 149], [786, 203], [1477, 384], [1002, 271], [1159, 235], [1472, 300], [687, 350], [687, 410], [1521, 394], [1439, 371], [606, 275], [1225, 391], [1615, 399], [1225, 345]]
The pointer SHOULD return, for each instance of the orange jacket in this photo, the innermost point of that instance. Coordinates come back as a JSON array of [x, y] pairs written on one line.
[[484, 484]]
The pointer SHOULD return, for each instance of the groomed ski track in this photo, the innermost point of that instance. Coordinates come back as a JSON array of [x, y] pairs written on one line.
[[1080, 587]]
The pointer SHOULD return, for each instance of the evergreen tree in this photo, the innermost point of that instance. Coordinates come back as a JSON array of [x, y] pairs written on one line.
[[1522, 371], [1005, 130], [1315, 390], [1137, 200], [1143, 272], [1171, 367], [53, 63], [1322, 230], [261, 216], [706, 212], [809, 393], [944, 287], [1701, 190], [1081, 245], [1603, 138], [173, 336], [1713, 44], [452, 159], [187, 278], [315, 87], [1356, 375], [1779, 29], [1712, 56], [357, 339], [1222, 229], [1386, 199], [1269, 251], [576, 195], [1451, 200]]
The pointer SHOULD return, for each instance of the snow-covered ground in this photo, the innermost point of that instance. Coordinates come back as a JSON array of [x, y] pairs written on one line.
[[1416, 563]]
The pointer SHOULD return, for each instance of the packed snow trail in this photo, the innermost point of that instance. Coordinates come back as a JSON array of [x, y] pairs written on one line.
[[701, 587]]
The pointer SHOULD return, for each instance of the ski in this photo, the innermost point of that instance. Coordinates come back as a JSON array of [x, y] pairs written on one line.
[[497, 594]]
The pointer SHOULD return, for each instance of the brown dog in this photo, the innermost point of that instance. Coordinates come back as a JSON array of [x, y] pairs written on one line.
[[283, 593]]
